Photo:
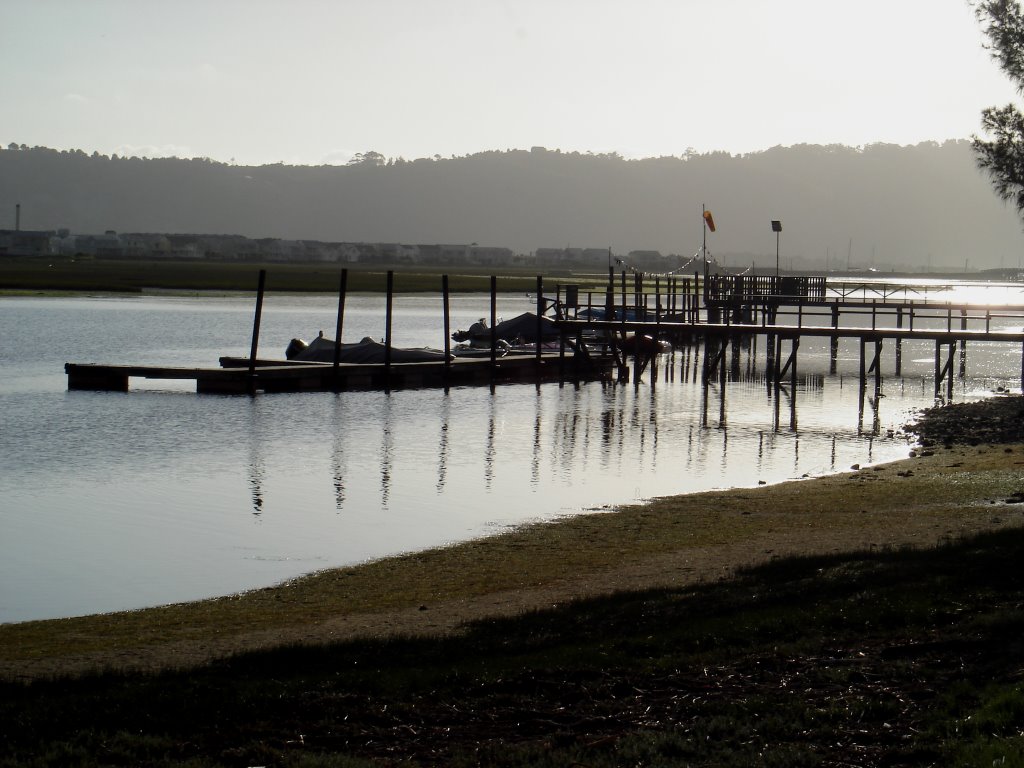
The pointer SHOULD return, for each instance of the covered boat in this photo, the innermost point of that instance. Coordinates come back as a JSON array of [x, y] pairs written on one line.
[[521, 329], [321, 350]]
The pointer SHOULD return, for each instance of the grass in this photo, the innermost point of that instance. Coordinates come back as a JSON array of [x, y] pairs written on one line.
[[19, 276], [908, 657]]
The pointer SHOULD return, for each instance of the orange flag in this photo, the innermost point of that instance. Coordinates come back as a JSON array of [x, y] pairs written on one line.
[[709, 221]]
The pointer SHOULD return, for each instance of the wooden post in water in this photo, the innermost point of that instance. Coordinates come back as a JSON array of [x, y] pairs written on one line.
[[342, 290], [878, 365], [833, 352], [447, 325], [540, 321], [494, 322], [963, 344], [863, 365], [899, 342], [657, 300], [387, 328], [261, 284], [623, 298]]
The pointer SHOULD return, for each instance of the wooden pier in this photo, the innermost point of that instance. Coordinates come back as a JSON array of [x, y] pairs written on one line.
[[725, 310], [716, 311]]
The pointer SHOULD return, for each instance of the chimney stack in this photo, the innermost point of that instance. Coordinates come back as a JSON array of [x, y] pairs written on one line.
[[17, 217]]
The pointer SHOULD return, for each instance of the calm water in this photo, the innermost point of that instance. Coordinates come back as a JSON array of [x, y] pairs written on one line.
[[111, 501]]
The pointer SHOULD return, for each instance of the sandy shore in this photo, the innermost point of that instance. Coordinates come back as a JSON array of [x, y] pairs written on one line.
[[943, 492]]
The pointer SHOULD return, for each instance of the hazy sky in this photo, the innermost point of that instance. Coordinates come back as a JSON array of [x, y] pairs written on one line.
[[310, 82]]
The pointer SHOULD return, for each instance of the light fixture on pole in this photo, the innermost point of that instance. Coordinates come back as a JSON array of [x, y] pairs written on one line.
[[776, 228]]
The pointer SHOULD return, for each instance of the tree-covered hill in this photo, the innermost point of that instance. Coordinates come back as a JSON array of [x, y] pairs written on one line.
[[882, 206]]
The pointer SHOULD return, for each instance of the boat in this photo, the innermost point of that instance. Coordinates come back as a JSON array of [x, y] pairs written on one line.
[[368, 350], [522, 329]]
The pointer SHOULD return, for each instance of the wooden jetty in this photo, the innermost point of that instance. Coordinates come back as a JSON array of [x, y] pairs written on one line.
[[720, 311], [716, 311]]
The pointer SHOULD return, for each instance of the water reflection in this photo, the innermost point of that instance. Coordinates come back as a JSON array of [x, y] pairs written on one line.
[[338, 469], [442, 450], [387, 448], [489, 447], [253, 492], [257, 468]]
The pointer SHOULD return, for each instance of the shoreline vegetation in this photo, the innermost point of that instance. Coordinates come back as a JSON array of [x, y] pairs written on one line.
[[55, 275]]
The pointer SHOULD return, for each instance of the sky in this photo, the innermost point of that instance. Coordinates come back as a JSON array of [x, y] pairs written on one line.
[[315, 82]]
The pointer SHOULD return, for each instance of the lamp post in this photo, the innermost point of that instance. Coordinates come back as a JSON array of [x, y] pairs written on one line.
[[777, 229]]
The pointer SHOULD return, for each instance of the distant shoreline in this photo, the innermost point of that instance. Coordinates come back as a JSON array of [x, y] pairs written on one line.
[[118, 276]]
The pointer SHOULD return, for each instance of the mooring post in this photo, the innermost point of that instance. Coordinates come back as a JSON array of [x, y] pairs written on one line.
[[342, 289], [387, 327], [623, 299], [863, 367], [699, 297], [899, 341], [261, 284], [833, 352], [494, 323], [657, 300], [445, 300], [878, 365], [540, 312], [963, 344], [949, 371]]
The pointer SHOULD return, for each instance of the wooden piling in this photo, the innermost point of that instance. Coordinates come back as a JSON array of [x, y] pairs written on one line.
[[899, 342], [261, 285], [390, 304], [446, 302], [339, 324], [494, 322], [540, 322]]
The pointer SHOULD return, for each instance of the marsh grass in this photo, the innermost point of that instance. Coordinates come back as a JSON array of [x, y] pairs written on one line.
[[63, 274]]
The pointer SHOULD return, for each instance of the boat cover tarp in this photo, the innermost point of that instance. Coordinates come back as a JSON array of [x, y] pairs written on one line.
[[522, 328], [321, 350]]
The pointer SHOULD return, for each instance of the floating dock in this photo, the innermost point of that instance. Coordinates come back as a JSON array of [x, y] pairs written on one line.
[[236, 376]]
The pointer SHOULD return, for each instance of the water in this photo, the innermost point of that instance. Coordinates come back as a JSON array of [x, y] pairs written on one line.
[[112, 501]]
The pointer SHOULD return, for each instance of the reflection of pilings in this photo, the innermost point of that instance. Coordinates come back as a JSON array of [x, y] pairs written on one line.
[[535, 462], [256, 467], [338, 455], [386, 451], [489, 450], [442, 449]]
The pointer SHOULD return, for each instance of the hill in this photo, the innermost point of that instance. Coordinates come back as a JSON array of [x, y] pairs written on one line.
[[884, 206]]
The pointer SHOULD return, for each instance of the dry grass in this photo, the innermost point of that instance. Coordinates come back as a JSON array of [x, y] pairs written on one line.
[[667, 542]]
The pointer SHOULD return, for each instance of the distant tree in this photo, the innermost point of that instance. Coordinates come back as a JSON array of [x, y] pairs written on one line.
[[1003, 155], [368, 158]]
